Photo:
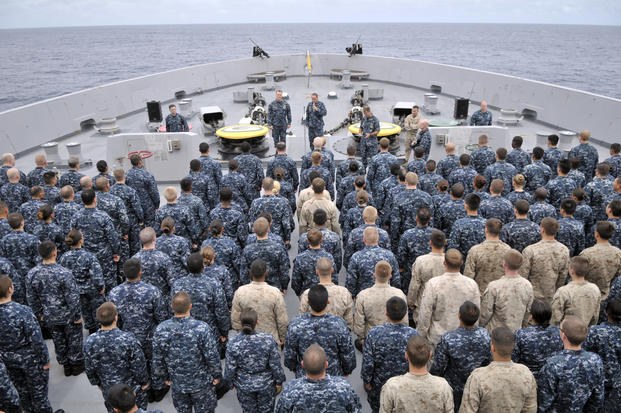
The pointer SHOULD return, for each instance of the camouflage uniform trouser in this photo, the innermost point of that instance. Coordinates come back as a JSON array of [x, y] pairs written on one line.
[[68, 343], [257, 402], [31, 382], [368, 149], [313, 132], [279, 134], [203, 401], [373, 397], [89, 303]]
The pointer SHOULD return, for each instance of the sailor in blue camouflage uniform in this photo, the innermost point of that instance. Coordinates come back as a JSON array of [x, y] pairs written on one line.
[[253, 366], [417, 165], [273, 253], [102, 168], [560, 187], [403, 213], [423, 139], [51, 193], [521, 232], [320, 327], [605, 340], [199, 182], [324, 392], [343, 169], [450, 162], [9, 398], [451, 211], [21, 249], [100, 237], [587, 154], [539, 341], [324, 173], [598, 191], [239, 184], [176, 247], [144, 184], [175, 122], [330, 241], [414, 243], [279, 118], [361, 266], [327, 157], [501, 170], [233, 220], [552, 155], [157, 267], [389, 201], [8, 162], [213, 171], [615, 160], [469, 230], [381, 191], [353, 217], [303, 275], [35, 177], [115, 208], [53, 296], [88, 277], [185, 356], [380, 164], [30, 209], [282, 160], [72, 176], [251, 167], [481, 117], [355, 242], [347, 184], [315, 111], [5, 228], [464, 174], [570, 230], [23, 351], [133, 208], [226, 250], [384, 346], [541, 209], [518, 190], [497, 206], [483, 156], [219, 273], [462, 350], [64, 211], [479, 183], [573, 379], [575, 174], [350, 200], [198, 209], [47, 230], [369, 129], [429, 181], [518, 157], [277, 206], [114, 356], [537, 174], [184, 223], [584, 214]]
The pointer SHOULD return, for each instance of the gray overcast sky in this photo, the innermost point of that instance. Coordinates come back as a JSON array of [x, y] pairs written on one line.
[[50, 13]]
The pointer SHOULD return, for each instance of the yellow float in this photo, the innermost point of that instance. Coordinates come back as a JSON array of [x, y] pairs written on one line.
[[386, 129], [240, 132]]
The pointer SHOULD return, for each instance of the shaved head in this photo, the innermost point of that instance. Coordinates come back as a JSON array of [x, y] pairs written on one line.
[[450, 148], [315, 360]]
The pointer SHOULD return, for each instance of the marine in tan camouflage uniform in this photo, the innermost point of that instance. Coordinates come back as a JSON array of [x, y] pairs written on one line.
[[266, 300], [506, 302], [604, 259], [579, 298], [319, 201], [425, 268], [340, 302], [485, 261], [546, 262], [503, 386]]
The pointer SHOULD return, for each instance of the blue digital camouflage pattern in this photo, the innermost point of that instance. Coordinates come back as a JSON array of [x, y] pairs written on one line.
[[51, 195], [323, 174], [537, 175], [520, 233], [349, 202], [279, 209], [346, 186], [71, 178], [438, 200], [5, 228], [386, 211], [448, 214], [482, 194], [429, 183], [551, 157], [242, 193], [251, 167], [115, 356], [233, 221], [571, 234], [303, 275], [288, 165], [21, 249], [379, 169], [24, 352], [198, 211], [559, 188], [540, 210], [279, 114], [458, 353], [135, 214], [352, 219], [342, 169], [29, 211], [578, 177], [368, 146], [598, 191], [584, 214], [497, 207], [355, 241], [571, 381], [208, 301], [417, 166], [35, 177], [500, 170], [383, 357], [330, 332], [176, 123], [605, 340], [314, 118], [515, 196], [330, 242], [200, 186], [518, 158], [589, 159], [157, 269], [9, 399], [252, 238], [413, 243], [463, 175], [115, 208], [424, 141], [50, 231], [227, 254], [534, 345], [275, 257], [481, 158], [615, 165], [184, 223], [447, 165], [212, 169], [327, 161], [7, 268], [144, 184], [616, 236], [403, 212], [362, 266], [480, 118], [222, 276], [466, 233], [178, 249], [327, 395], [109, 177]]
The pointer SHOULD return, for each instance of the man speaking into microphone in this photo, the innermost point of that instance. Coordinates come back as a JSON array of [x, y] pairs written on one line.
[[315, 111]]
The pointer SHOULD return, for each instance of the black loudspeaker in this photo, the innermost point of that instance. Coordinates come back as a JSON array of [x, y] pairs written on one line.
[[461, 108], [155, 111]]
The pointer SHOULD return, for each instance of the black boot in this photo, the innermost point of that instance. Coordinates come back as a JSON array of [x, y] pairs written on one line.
[[358, 344], [77, 369], [67, 369], [159, 394]]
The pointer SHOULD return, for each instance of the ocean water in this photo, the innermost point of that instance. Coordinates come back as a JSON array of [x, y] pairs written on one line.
[[43, 63]]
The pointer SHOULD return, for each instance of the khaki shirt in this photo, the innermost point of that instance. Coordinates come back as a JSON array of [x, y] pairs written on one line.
[[439, 307], [604, 266], [416, 394], [506, 303], [545, 265], [485, 262], [307, 194], [340, 303], [503, 386], [306, 216], [411, 125], [371, 307], [269, 304], [580, 299], [424, 268]]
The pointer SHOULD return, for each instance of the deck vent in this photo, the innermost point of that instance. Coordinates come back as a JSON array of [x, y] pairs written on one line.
[[529, 114], [180, 94], [87, 124], [436, 89]]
